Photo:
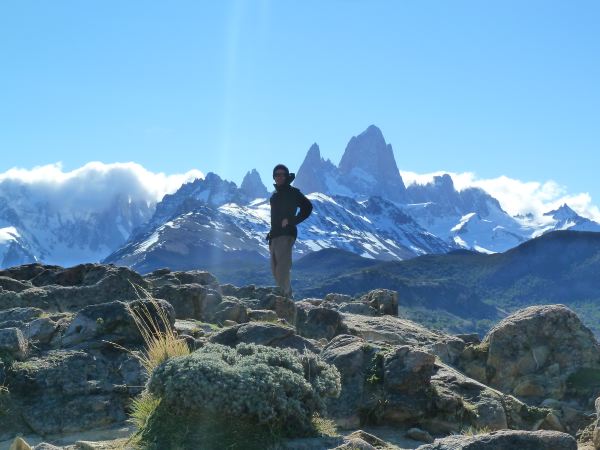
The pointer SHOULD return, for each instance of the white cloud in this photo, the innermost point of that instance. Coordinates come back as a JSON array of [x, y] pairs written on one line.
[[516, 196], [91, 187]]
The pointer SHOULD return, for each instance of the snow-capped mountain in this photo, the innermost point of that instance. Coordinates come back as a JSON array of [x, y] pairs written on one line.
[[362, 205], [375, 228], [564, 218], [367, 168], [471, 218], [37, 228]]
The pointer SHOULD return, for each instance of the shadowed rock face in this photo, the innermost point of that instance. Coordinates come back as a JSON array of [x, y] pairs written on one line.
[[368, 166], [252, 186]]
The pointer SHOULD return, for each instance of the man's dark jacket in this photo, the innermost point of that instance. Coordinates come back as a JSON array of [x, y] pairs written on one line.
[[284, 203]]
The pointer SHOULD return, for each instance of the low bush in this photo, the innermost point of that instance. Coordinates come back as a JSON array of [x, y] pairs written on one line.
[[242, 397]]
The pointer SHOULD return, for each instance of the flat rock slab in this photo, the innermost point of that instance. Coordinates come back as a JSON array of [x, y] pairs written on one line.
[[395, 330], [506, 440]]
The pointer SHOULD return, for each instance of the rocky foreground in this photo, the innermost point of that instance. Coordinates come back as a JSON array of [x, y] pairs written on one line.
[[68, 375]]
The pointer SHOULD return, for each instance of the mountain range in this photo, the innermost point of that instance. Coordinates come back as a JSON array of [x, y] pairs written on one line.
[[362, 206]]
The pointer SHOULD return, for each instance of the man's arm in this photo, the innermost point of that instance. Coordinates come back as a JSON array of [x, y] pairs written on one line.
[[305, 206]]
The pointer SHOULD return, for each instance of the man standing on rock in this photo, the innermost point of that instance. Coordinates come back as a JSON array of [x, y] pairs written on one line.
[[285, 202]]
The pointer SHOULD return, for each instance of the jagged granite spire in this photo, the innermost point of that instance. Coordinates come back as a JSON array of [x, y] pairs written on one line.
[[368, 166], [315, 172], [252, 186]]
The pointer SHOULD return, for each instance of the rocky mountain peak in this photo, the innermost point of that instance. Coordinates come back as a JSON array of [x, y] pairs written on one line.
[[314, 154], [252, 186], [215, 191], [313, 173], [562, 213], [368, 166], [368, 151], [444, 182]]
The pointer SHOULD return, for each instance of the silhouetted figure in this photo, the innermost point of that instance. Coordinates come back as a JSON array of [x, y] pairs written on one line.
[[285, 202]]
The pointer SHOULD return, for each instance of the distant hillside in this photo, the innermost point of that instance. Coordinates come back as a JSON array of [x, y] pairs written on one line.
[[558, 267]]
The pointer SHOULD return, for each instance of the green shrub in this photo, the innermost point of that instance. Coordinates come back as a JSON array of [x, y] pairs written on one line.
[[259, 389]]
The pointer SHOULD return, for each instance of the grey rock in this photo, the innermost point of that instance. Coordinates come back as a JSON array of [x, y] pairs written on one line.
[[229, 309], [66, 391], [338, 298], [394, 330], [165, 276], [358, 308], [407, 370], [534, 351], [317, 322], [59, 289], [375, 382], [190, 301], [368, 438], [12, 343], [40, 331], [46, 446], [250, 291], [355, 444], [469, 338], [114, 322], [263, 333], [10, 284], [506, 440], [384, 301], [419, 435], [20, 314]]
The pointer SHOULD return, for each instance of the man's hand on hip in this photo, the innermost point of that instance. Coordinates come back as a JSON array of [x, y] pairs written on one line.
[[284, 223]]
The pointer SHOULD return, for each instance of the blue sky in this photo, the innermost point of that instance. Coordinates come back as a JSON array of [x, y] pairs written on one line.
[[495, 88]]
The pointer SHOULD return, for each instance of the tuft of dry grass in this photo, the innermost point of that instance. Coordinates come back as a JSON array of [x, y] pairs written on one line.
[[161, 342], [142, 407], [474, 431], [159, 336], [324, 427]]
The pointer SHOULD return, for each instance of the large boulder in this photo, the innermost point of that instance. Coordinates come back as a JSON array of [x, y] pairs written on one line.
[[506, 440], [263, 298], [389, 384], [380, 384], [66, 391], [166, 277], [114, 322], [13, 344], [261, 333], [316, 322], [231, 309], [385, 301], [10, 284], [250, 291], [397, 331], [11, 316], [58, 289], [536, 353], [190, 301]]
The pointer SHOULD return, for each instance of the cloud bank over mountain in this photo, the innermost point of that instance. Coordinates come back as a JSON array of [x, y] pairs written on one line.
[[93, 185], [517, 196]]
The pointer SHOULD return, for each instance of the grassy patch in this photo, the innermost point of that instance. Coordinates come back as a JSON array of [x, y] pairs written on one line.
[[474, 431], [324, 427]]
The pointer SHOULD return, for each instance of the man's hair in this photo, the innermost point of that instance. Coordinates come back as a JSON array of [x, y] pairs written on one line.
[[281, 167]]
